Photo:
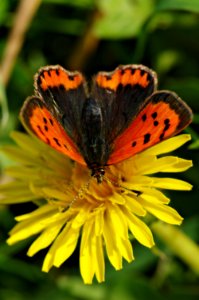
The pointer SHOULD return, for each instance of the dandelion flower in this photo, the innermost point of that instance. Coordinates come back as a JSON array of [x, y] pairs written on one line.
[[101, 216]]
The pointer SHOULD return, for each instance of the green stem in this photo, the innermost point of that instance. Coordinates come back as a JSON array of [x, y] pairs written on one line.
[[4, 107], [181, 245]]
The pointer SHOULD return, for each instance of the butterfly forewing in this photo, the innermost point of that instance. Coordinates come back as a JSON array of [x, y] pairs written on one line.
[[64, 93], [121, 94], [37, 118], [163, 116]]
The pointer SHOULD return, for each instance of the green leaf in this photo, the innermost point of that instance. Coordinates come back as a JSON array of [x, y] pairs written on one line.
[[122, 19], [3, 10], [189, 5]]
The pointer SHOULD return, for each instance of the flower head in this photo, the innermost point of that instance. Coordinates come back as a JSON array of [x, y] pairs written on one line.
[[72, 206]]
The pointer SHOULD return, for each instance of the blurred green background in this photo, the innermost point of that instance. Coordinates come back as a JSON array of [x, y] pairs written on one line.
[[92, 36]]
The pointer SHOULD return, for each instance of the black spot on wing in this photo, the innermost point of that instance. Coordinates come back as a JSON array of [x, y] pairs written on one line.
[[154, 115], [144, 117], [121, 88], [142, 72], [161, 136], [57, 141], [41, 131], [167, 124], [147, 137], [166, 127], [134, 144], [155, 123]]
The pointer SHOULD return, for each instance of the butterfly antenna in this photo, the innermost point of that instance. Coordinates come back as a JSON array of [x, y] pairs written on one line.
[[81, 192], [138, 193]]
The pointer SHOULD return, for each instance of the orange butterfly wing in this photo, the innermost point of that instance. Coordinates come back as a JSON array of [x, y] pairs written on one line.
[[58, 94], [37, 118], [163, 116], [121, 94]]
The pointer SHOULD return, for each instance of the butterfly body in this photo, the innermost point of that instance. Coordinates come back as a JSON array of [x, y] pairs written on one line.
[[121, 115], [93, 144]]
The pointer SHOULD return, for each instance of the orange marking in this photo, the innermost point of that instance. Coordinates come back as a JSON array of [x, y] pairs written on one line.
[[54, 80], [123, 76], [138, 129], [55, 136], [112, 83]]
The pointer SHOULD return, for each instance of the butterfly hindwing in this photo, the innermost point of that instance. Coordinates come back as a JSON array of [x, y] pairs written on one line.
[[37, 118], [64, 93], [163, 116]]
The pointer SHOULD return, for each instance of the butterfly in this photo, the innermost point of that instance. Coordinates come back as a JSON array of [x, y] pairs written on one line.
[[120, 115]]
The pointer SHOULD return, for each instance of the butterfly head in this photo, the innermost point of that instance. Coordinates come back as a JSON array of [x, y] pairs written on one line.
[[98, 173]]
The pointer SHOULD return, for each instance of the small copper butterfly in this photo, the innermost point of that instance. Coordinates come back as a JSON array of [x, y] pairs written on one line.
[[120, 115]]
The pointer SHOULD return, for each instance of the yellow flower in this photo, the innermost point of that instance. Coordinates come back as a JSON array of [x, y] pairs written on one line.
[[103, 216]]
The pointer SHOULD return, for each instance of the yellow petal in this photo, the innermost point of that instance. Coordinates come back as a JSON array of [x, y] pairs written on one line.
[[140, 230], [159, 165], [65, 244], [16, 154], [49, 259], [40, 212], [113, 251], [45, 238], [117, 220], [171, 184], [81, 217], [21, 198], [168, 145], [180, 166], [119, 226], [26, 142], [86, 263], [99, 259], [138, 164], [99, 222], [16, 192], [24, 172], [163, 212], [132, 203], [29, 227], [154, 195], [155, 198], [56, 194], [125, 249], [25, 230], [137, 181]]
